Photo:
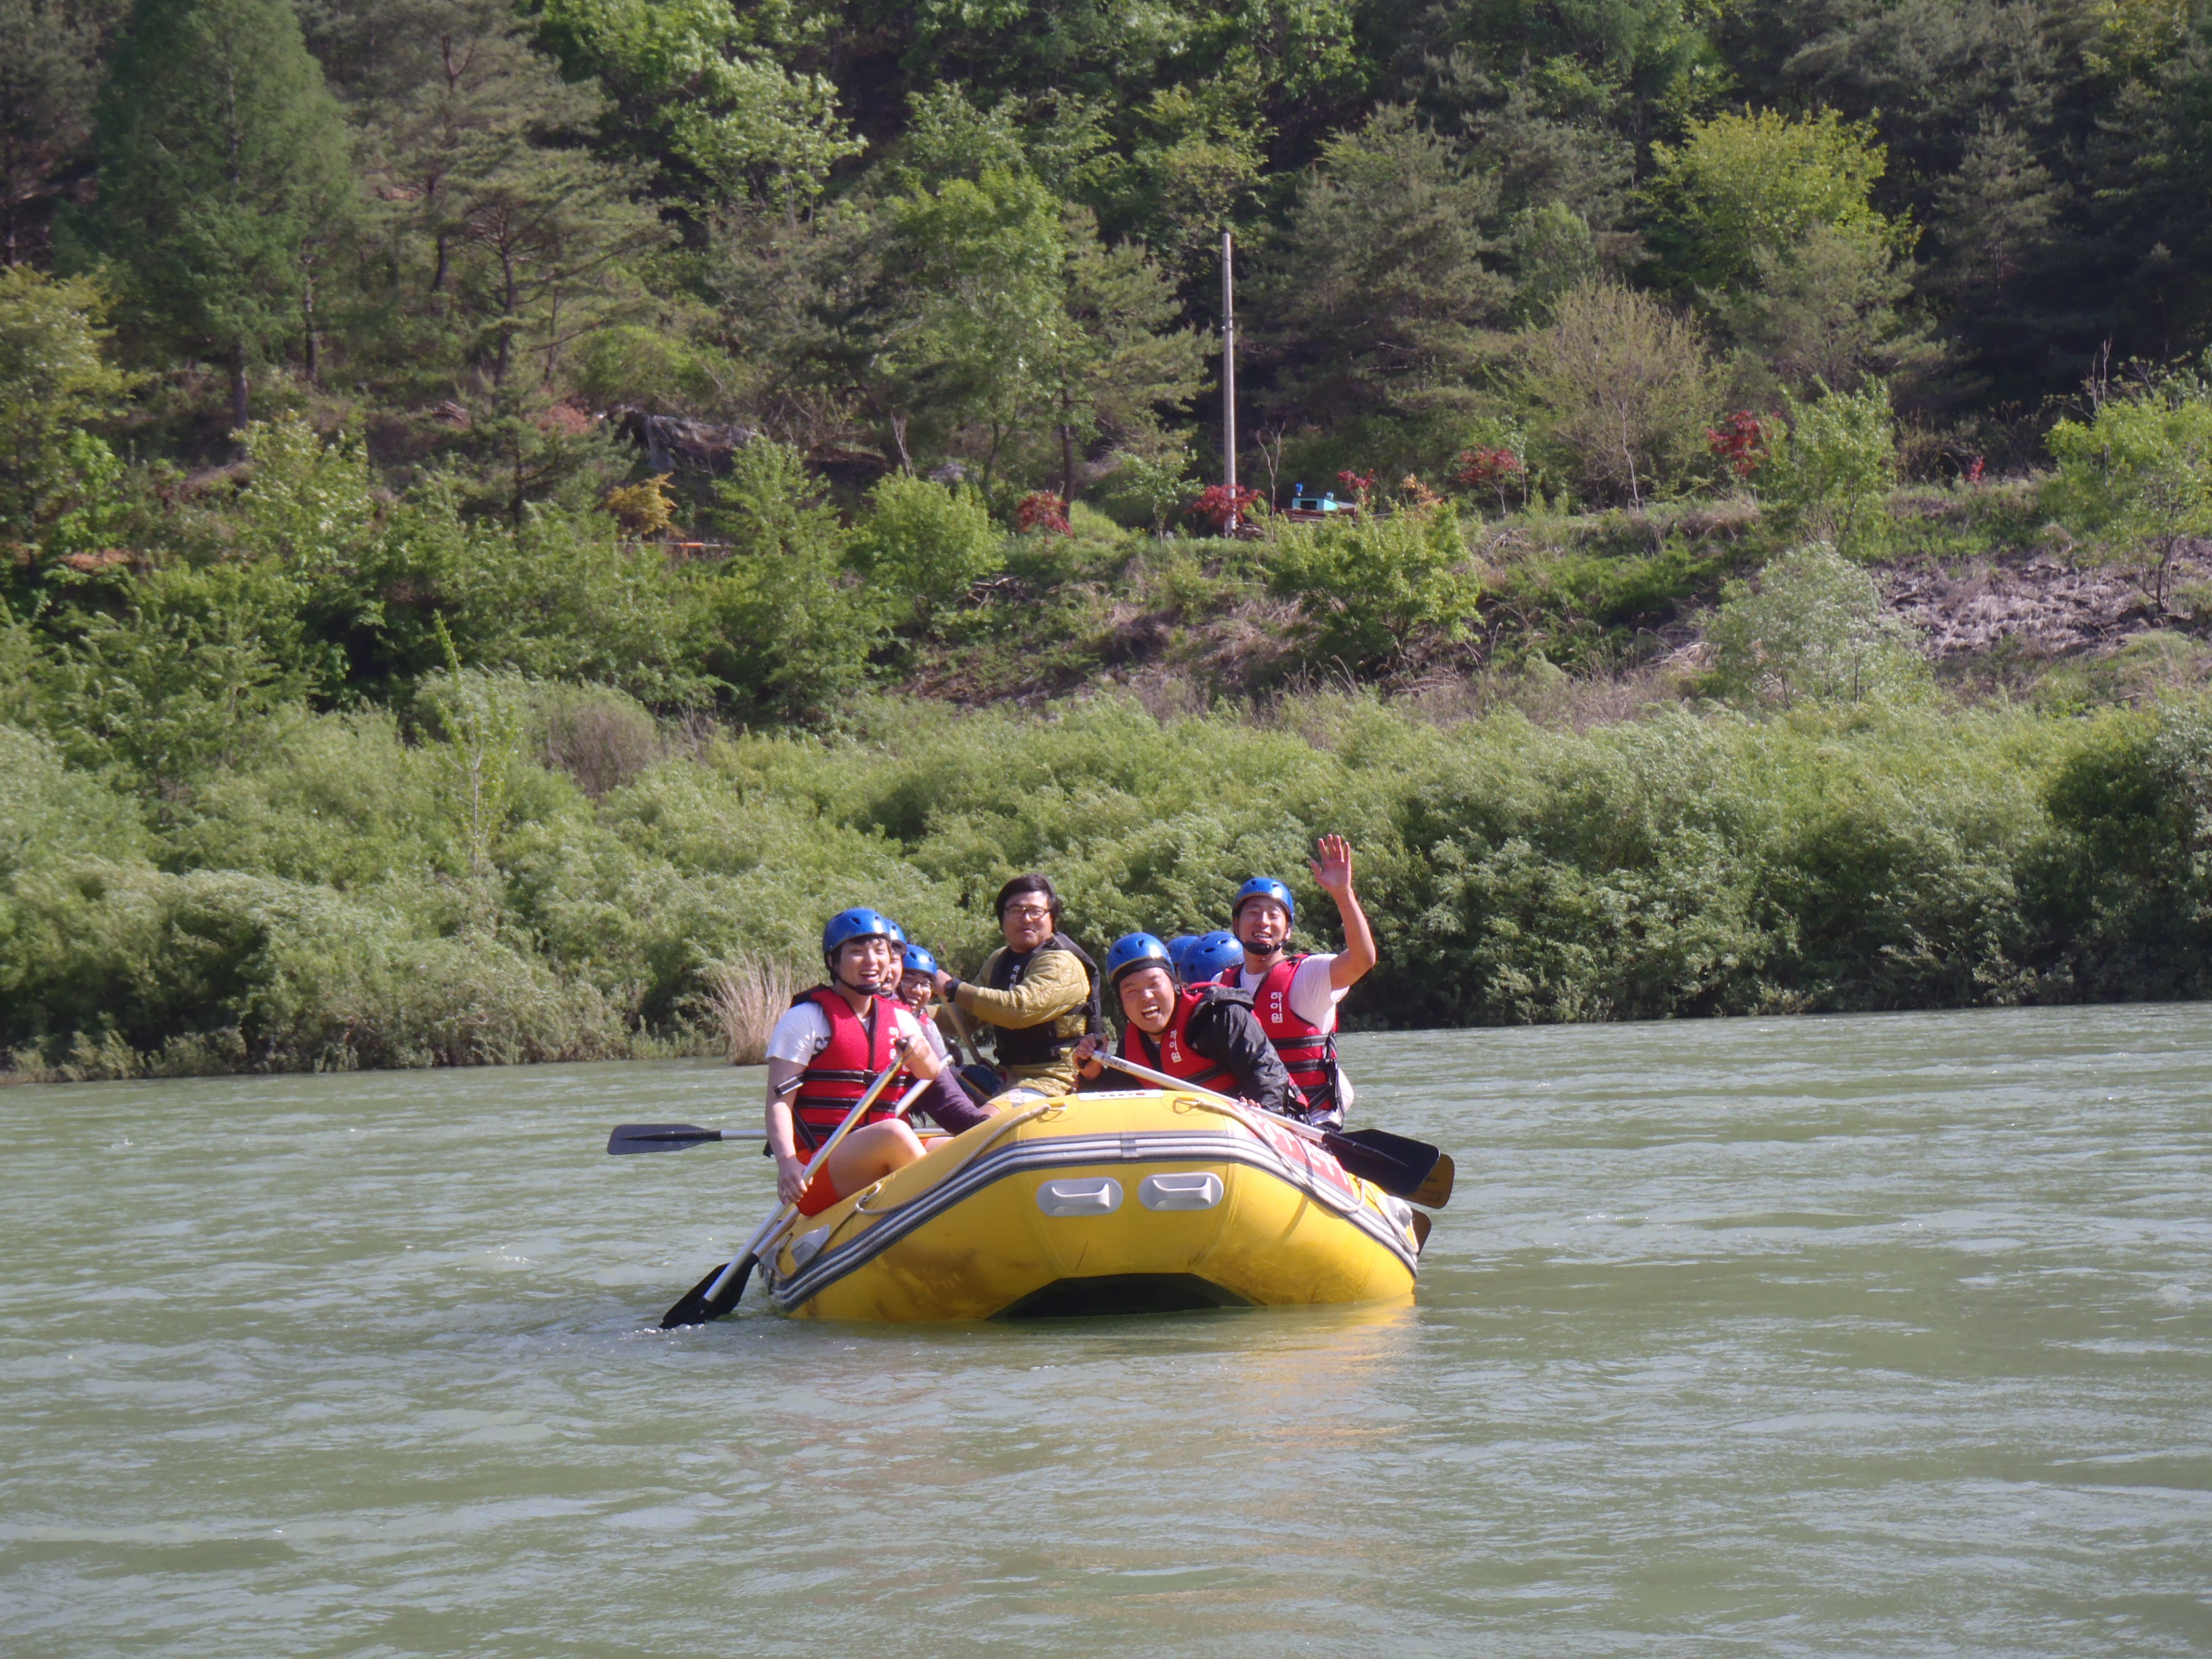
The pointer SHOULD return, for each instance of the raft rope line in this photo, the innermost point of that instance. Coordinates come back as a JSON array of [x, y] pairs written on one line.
[[985, 1167]]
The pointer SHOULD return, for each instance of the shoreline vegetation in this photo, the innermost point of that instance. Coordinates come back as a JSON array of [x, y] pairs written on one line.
[[512, 517]]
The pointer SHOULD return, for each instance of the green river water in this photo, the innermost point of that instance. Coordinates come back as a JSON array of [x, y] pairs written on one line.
[[1885, 1336]]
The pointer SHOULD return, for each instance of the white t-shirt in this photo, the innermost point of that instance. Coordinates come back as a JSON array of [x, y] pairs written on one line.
[[803, 1032], [1313, 1001]]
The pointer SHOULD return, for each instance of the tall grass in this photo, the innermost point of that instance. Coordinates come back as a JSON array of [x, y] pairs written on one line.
[[744, 999]]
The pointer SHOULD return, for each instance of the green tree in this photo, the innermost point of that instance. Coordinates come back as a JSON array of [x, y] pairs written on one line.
[[223, 168], [1379, 298], [55, 379], [1827, 310], [2139, 472], [793, 630], [1835, 463], [1367, 588], [50, 53], [1741, 183], [924, 541], [973, 310], [1116, 361], [1618, 392]]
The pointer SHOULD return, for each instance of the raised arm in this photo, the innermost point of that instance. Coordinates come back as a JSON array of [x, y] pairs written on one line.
[[1332, 873]]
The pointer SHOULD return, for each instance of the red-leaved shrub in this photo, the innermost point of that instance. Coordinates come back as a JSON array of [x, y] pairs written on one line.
[[1218, 504], [1042, 510], [1741, 441]]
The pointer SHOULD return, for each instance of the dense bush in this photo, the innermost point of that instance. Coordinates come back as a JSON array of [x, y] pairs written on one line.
[[330, 902]]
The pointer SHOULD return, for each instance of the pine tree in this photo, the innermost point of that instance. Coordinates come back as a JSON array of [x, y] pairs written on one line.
[[1380, 297], [223, 165], [49, 72], [1118, 359]]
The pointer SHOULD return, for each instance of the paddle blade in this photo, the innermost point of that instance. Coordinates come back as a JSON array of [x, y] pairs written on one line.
[[698, 1306], [657, 1138], [1421, 1225], [1394, 1162], [1436, 1191]]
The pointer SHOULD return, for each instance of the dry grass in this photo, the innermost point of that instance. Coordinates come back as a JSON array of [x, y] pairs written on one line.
[[744, 999]]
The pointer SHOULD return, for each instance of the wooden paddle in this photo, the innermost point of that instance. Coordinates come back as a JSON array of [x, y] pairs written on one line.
[[1412, 1170], [719, 1291]]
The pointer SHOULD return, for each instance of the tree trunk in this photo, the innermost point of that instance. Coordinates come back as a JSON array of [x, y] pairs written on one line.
[[1066, 465], [238, 387], [312, 354]]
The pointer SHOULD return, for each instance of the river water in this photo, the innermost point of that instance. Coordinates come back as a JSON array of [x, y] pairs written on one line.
[[1885, 1335]]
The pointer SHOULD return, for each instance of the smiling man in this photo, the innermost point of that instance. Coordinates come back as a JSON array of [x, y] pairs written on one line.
[[1202, 1034], [1296, 996], [1038, 992]]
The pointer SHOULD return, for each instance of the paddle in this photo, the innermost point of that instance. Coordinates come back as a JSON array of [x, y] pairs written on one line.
[[1412, 1170], [670, 1137], [720, 1291]]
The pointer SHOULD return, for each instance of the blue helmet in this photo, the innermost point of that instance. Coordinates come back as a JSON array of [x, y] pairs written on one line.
[[1212, 956], [1135, 951], [1266, 887], [1179, 948], [860, 922], [918, 960]]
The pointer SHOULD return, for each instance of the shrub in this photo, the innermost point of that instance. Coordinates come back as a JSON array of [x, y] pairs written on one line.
[[925, 543], [1368, 587], [1813, 631], [2140, 471], [1835, 465], [1218, 507]]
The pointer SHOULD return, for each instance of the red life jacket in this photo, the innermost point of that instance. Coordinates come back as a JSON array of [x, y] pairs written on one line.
[[858, 1048], [1171, 1051], [1308, 1052]]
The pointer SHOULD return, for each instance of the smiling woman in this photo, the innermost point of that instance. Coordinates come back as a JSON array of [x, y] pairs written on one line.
[[1039, 992]]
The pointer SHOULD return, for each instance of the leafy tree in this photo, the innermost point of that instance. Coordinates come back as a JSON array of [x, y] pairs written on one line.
[[1827, 311], [699, 86], [2139, 472], [223, 168], [1742, 183], [1813, 631], [1618, 390], [54, 379], [1835, 463], [1368, 587], [974, 309]]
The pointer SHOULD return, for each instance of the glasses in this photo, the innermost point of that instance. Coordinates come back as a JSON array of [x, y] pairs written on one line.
[[1029, 912]]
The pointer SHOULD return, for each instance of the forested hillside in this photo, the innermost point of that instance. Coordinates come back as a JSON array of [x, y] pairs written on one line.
[[499, 502]]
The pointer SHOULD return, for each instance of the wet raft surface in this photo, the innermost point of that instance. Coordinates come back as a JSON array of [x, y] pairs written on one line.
[[1853, 1336]]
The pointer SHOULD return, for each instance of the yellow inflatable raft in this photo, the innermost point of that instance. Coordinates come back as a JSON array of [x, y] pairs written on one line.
[[1136, 1201]]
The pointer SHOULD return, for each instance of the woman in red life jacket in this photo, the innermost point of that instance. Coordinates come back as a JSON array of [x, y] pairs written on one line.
[[1296, 996], [1203, 1033], [826, 1048]]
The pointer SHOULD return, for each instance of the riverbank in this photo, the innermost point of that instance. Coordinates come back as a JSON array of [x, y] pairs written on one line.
[[331, 902]]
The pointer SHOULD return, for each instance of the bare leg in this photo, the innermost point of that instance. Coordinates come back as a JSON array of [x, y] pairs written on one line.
[[871, 1153]]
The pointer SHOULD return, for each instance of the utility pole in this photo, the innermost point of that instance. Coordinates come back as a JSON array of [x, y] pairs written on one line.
[[1229, 371]]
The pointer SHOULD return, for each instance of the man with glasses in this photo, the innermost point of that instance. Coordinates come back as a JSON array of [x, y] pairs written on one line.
[[1038, 993]]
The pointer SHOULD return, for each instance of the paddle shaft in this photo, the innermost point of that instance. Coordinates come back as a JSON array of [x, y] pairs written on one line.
[[767, 1229]]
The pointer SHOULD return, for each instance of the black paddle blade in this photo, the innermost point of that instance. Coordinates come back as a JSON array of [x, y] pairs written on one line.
[[1421, 1225], [1436, 1191], [657, 1138], [1394, 1164], [695, 1308]]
